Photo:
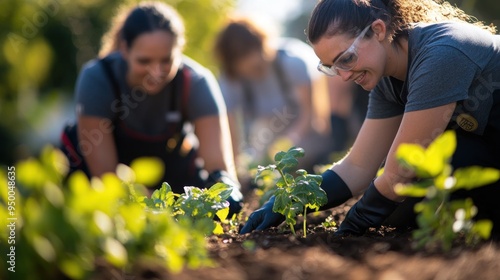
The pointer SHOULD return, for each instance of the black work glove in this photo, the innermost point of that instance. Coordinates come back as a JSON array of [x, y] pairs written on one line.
[[236, 198], [370, 211], [263, 218], [336, 190]]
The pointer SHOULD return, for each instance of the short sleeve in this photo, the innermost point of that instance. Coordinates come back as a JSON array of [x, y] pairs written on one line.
[[205, 98], [296, 69], [382, 101], [232, 91], [93, 93], [439, 76]]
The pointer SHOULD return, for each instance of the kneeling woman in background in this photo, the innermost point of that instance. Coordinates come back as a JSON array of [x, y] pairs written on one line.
[[143, 97]]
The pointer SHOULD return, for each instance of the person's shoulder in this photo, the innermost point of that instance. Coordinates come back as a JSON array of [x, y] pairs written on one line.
[[450, 26], [94, 67], [452, 33], [91, 67], [449, 39], [292, 47], [196, 70]]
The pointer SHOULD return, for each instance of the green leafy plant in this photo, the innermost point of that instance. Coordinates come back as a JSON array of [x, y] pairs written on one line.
[[64, 227], [195, 204], [294, 195], [441, 221]]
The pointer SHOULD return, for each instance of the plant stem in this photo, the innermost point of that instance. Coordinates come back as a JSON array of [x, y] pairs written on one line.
[[284, 178], [293, 230], [305, 221]]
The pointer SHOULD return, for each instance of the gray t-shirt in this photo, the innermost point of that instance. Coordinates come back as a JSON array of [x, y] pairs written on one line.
[[144, 113], [272, 110], [298, 62], [448, 62]]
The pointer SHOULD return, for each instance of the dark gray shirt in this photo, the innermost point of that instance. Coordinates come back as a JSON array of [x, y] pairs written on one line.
[[448, 62], [142, 112]]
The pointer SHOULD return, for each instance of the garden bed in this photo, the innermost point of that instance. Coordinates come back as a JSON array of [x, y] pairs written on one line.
[[382, 254]]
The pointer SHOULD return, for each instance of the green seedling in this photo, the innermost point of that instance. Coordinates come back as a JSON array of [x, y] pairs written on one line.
[[329, 223], [294, 195], [195, 204], [441, 221]]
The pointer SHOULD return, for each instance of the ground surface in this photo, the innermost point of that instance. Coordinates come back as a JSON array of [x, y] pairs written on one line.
[[383, 254]]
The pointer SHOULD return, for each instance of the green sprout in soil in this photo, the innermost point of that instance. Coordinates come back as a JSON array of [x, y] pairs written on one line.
[[443, 221], [329, 223], [294, 195], [195, 204]]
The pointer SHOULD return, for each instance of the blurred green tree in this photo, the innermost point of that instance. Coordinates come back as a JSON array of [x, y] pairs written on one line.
[[44, 43]]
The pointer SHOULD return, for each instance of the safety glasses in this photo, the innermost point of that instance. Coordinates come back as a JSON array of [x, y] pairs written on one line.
[[347, 60]]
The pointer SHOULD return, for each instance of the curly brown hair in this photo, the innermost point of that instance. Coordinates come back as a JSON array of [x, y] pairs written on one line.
[[332, 17]]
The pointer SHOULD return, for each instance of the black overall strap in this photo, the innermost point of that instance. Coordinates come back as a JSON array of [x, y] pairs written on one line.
[[106, 65], [177, 120], [285, 85], [178, 107]]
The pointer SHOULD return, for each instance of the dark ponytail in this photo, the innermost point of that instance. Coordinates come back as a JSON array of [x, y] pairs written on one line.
[[331, 17]]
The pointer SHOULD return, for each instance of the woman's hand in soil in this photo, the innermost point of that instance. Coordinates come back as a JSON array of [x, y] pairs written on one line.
[[263, 218], [370, 211]]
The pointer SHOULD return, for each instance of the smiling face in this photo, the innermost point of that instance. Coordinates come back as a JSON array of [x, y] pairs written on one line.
[[370, 51], [153, 60]]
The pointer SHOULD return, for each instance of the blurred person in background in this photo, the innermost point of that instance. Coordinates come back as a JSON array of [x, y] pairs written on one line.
[[348, 106], [143, 97], [271, 88]]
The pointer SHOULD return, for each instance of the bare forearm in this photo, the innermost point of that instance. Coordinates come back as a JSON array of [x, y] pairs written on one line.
[[356, 177], [215, 144], [97, 144]]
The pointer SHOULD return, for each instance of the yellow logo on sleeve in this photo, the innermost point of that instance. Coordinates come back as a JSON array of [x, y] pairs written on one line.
[[467, 122]]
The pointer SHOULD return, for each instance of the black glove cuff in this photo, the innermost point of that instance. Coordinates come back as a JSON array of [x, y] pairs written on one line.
[[375, 199], [336, 189]]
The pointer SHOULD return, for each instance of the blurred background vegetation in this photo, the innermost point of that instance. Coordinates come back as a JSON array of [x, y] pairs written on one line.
[[44, 43]]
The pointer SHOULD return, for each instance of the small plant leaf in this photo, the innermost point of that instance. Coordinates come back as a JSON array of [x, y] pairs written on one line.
[[287, 162], [483, 228], [222, 213], [412, 190], [148, 170], [444, 145], [220, 190], [475, 176], [296, 152], [279, 156], [411, 156], [218, 230], [280, 204], [380, 172], [301, 172]]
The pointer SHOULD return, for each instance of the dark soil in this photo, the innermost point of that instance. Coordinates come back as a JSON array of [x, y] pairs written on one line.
[[384, 254]]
